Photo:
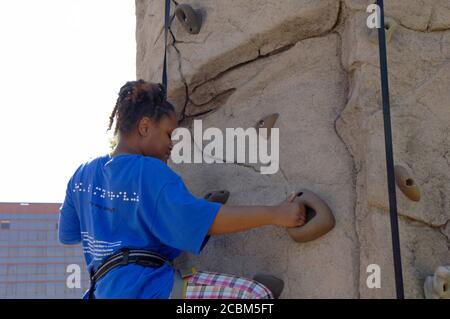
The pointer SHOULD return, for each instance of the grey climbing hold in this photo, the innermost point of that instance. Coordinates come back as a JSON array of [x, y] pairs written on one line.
[[390, 26], [267, 122], [438, 285], [190, 19], [218, 196], [319, 218], [406, 183], [274, 284]]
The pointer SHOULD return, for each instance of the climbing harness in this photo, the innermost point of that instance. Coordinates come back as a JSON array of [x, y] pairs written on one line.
[[124, 257], [389, 156], [180, 282], [143, 258]]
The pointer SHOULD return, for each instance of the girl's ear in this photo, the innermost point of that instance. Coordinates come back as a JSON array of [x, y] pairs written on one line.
[[145, 126]]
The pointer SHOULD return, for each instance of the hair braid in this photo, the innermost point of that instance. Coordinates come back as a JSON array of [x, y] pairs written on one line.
[[136, 100], [111, 117]]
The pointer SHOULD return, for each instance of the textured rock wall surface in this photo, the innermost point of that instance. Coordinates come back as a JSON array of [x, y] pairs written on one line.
[[312, 62]]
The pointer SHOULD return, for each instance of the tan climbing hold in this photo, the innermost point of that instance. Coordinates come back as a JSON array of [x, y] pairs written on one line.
[[267, 122], [406, 183], [390, 26], [319, 218], [438, 285]]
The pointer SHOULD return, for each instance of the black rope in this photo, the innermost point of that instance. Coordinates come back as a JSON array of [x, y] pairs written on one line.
[[389, 157], [166, 30]]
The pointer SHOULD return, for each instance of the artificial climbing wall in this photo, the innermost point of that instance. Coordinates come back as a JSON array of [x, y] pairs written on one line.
[[315, 63]]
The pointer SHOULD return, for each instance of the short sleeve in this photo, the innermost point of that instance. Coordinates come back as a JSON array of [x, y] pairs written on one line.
[[69, 222], [182, 220]]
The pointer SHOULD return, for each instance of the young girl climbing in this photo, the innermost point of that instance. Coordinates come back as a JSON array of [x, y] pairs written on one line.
[[134, 215]]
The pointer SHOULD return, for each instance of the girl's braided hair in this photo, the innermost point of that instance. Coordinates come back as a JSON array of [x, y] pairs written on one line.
[[136, 100]]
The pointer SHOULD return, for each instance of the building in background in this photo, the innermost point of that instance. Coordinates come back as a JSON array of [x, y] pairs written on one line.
[[33, 264]]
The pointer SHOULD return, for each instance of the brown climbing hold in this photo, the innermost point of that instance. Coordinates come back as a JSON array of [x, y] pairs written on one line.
[[274, 284], [267, 122], [390, 26], [218, 196], [406, 183], [319, 218], [190, 19]]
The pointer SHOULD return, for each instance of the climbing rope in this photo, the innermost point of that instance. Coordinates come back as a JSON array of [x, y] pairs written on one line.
[[389, 156], [166, 30]]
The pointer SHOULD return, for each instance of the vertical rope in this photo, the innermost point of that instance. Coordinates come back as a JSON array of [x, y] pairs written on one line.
[[389, 157], [166, 30]]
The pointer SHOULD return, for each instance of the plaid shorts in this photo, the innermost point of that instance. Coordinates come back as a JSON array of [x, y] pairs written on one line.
[[211, 285]]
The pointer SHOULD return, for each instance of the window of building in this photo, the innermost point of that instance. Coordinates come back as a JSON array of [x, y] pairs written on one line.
[[5, 224]]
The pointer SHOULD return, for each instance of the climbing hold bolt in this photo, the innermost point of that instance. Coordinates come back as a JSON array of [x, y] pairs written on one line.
[[190, 19], [319, 218], [406, 183], [218, 196], [390, 25], [267, 122]]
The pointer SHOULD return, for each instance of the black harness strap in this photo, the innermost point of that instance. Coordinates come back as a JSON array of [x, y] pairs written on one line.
[[124, 257], [389, 157]]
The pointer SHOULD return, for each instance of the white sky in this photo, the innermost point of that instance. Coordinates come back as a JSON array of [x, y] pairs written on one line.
[[62, 63]]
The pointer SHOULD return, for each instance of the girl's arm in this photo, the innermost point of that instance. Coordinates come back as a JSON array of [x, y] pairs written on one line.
[[232, 219]]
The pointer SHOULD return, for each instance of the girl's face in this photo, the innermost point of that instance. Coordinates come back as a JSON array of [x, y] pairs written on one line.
[[159, 142]]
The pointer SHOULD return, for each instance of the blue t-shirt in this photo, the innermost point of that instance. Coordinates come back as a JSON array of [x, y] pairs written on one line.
[[133, 201]]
